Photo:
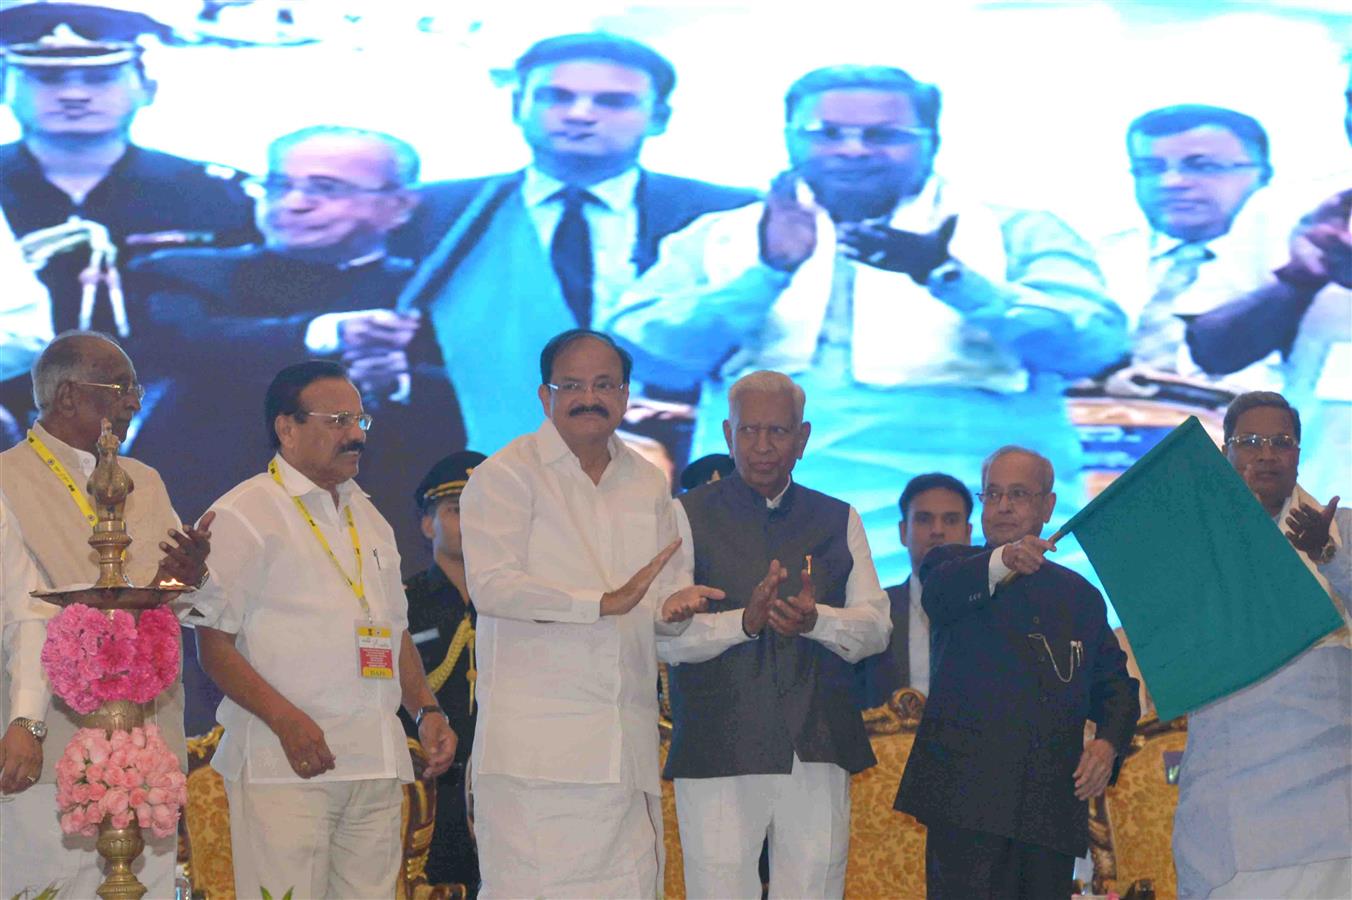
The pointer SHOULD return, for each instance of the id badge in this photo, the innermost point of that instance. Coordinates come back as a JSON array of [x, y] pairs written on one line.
[[375, 650]]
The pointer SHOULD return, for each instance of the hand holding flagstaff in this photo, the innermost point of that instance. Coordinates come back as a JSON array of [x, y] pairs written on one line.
[[1025, 556]]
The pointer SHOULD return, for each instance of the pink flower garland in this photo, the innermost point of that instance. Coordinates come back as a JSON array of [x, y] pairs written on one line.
[[90, 657], [128, 776]]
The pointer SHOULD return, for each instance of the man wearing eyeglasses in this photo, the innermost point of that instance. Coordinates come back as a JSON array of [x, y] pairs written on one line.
[[1265, 791], [766, 728], [1303, 310], [1205, 239], [312, 650], [914, 315], [1022, 657], [321, 284], [514, 259], [566, 532], [80, 195], [81, 380]]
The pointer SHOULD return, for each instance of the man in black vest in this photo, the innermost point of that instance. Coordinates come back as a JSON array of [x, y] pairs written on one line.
[[1000, 771], [513, 259], [766, 728]]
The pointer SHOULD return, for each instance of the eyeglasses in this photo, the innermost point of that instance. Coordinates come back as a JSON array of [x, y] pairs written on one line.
[[869, 135], [271, 187], [1188, 168], [342, 420], [774, 432], [123, 390], [1284, 443], [1016, 496], [577, 388]]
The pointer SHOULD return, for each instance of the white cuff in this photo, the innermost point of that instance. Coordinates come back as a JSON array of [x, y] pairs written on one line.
[[321, 335], [998, 569]]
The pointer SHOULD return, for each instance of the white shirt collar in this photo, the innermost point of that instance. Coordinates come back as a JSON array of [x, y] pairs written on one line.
[[297, 484], [84, 458], [615, 193], [363, 260], [553, 448], [773, 502]]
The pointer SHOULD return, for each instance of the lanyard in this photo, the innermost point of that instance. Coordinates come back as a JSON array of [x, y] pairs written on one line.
[[358, 588], [86, 508]]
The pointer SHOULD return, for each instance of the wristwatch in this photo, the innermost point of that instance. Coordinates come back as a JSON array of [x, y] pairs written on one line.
[[424, 711], [35, 727]]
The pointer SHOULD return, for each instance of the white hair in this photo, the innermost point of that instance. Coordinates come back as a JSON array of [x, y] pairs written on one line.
[[1044, 465], [765, 381], [61, 361]]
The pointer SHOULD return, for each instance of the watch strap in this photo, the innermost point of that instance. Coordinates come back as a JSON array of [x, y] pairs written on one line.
[[423, 712]]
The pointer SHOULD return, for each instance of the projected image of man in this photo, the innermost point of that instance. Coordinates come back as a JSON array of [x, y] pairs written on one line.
[[519, 257], [1195, 169], [918, 317]]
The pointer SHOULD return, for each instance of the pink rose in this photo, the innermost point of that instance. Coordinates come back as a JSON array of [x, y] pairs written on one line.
[[115, 801], [123, 819], [137, 796], [78, 794], [144, 816], [165, 820], [96, 792], [95, 773], [157, 795]]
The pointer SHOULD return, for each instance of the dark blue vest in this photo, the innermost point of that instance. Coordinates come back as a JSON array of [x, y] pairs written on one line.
[[749, 709]]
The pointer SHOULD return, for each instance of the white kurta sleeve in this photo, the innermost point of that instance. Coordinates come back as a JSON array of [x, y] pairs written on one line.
[[862, 626], [495, 528], [707, 634]]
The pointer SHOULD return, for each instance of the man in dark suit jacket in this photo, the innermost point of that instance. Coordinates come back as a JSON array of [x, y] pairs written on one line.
[[936, 509], [323, 285], [1000, 772], [511, 260]]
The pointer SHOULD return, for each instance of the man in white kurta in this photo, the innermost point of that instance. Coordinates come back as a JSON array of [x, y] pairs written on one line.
[[1265, 791], [81, 379], [313, 654], [564, 533]]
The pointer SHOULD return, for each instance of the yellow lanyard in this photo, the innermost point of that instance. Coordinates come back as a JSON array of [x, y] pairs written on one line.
[[357, 586], [59, 471]]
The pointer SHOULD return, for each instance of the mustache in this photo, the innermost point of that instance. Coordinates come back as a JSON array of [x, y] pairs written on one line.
[[583, 410], [353, 447]]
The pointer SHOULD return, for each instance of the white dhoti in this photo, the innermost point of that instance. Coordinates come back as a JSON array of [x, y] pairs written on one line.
[[1265, 791], [339, 839], [34, 853], [551, 839], [805, 815]]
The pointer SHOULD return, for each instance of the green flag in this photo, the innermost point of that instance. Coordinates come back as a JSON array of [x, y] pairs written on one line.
[[1209, 590]]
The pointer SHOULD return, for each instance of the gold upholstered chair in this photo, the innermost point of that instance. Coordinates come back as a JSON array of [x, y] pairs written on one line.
[[204, 831], [1131, 826], [887, 848]]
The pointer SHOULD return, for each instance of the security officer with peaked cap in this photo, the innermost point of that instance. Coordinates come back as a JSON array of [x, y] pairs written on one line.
[[79, 195], [441, 620]]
